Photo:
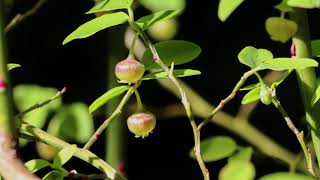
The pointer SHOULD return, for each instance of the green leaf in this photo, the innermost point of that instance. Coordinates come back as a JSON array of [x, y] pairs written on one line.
[[176, 51], [280, 29], [284, 7], [35, 165], [155, 6], [54, 175], [11, 66], [315, 46], [97, 24], [309, 4], [109, 5], [35, 94], [280, 64], [216, 148], [176, 73], [149, 20], [250, 87], [237, 170], [316, 96], [253, 57], [112, 93], [286, 176], [251, 96], [226, 7], [244, 154], [73, 122], [63, 156]]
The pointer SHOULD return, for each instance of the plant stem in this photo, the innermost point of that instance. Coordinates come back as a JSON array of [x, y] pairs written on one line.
[[306, 77], [10, 166], [83, 154], [116, 113], [184, 101], [299, 135]]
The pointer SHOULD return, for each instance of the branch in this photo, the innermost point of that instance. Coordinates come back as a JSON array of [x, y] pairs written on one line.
[[85, 155], [299, 135], [21, 17]]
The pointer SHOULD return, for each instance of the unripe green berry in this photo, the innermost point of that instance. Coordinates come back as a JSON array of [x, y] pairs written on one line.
[[265, 95], [141, 124], [129, 70]]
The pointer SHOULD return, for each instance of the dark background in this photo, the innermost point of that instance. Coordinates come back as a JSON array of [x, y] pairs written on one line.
[[81, 66]]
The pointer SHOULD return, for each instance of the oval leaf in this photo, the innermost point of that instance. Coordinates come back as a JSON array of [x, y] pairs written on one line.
[[112, 93], [54, 175], [226, 7], [147, 21], [253, 57], [11, 66], [108, 5], [280, 29], [63, 156], [97, 24], [286, 176], [237, 170], [244, 154], [280, 64], [315, 46], [304, 3], [176, 51], [216, 148], [155, 6], [35, 165], [176, 73], [252, 96]]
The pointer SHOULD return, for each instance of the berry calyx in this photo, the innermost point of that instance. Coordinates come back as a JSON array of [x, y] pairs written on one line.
[[141, 124], [129, 70]]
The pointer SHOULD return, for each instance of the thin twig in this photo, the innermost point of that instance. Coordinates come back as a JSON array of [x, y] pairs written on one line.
[[41, 104], [299, 135], [21, 17]]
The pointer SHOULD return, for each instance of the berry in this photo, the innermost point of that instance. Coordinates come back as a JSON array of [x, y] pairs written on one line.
[[265, 95], [141, 124], [129, 70], [164, 30]]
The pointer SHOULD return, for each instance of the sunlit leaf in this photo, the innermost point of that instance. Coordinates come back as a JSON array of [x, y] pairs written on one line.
[[72, 122], [226, 7], [35, 94], [54, 175], [253, 57], [176, 73], [216, 148], [250, 87], [35, 165], [149, 20], [280, 29], [251, 96], [156, 5], [176, 51], [286, 176], [11, 66], [97, 24], [237, 170], [63, 156], [108, 5], [280, 64], [243, 154], [315, 46], [112, 93], [284, 7], [309, 4]]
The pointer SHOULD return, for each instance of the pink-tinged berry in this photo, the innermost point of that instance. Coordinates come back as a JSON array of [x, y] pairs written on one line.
[[141, 124], [3, 85], [129, 70]]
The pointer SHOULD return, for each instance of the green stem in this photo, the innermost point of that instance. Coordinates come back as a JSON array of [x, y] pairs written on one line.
[[306, 77], [115, 114], [139, 102], [299, 135], [83, 154]]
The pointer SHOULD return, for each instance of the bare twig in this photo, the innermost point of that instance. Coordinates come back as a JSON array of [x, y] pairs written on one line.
[[21, 17]]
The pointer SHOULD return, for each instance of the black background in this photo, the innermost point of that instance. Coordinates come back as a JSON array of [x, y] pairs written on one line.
[[81, 66]]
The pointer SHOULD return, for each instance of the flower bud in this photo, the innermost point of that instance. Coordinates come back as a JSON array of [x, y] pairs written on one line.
[[141, 124], [129, 70]]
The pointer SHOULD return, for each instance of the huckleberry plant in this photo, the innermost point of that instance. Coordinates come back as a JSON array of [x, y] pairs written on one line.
[[161, 61]]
